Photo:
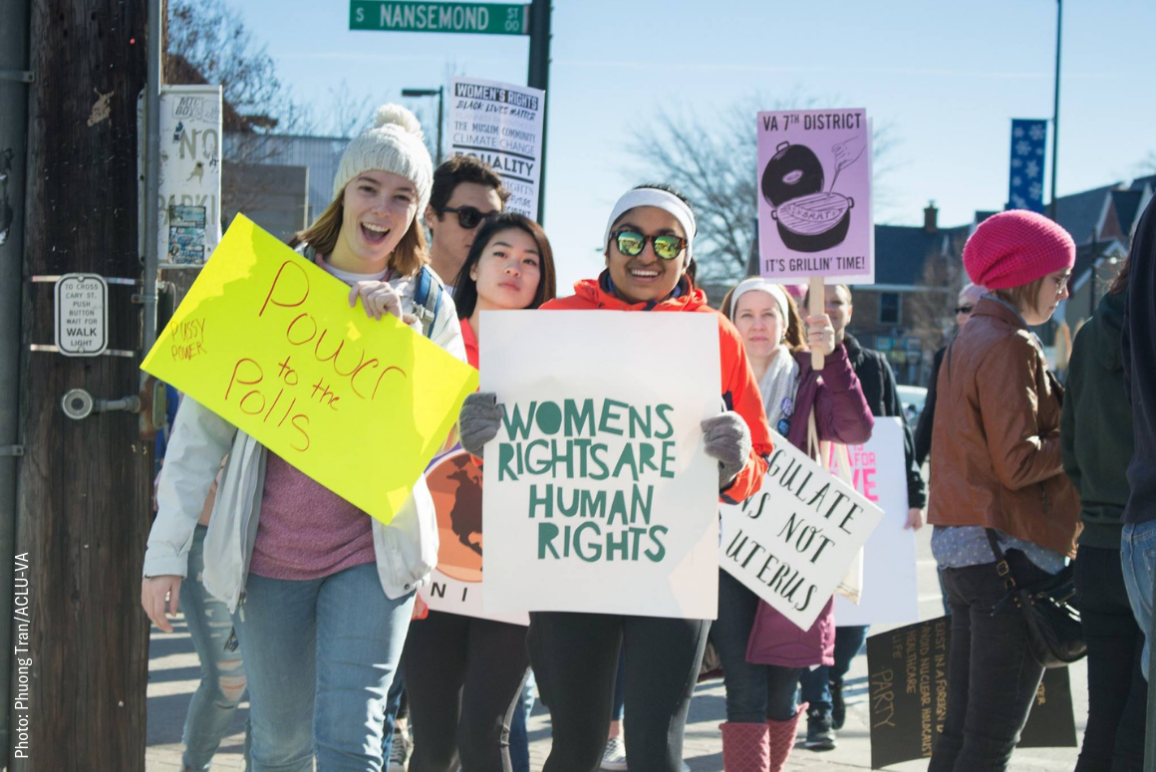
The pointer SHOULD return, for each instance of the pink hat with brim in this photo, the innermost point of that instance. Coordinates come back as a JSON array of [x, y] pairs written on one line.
[[1017, 247]]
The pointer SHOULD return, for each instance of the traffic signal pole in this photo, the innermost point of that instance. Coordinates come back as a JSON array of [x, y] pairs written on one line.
[[539, 77]]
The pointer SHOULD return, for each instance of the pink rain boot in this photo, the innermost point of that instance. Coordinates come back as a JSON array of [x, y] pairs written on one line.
[[782, 736], [745, 747]]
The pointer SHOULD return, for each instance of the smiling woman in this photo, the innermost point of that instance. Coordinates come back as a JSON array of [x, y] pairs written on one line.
[[318, 589]]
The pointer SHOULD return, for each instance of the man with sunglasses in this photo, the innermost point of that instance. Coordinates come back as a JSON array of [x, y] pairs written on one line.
[[465, 192]]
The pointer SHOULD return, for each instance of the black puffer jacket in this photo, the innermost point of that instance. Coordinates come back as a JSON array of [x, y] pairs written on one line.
[[878, 383]]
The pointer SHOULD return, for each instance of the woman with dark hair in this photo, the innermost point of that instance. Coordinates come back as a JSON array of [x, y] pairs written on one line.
[[998, 484], [321, 593], [1096, 438], [762, 662], [464, 675], [649, 240]]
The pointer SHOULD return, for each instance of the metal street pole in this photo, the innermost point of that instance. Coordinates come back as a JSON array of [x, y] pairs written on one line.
[[441, 119], [539, 77], [440, 93], [1056, 108]]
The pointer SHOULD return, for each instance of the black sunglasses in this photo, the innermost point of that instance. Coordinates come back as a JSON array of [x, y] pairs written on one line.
[[964, 309], [631, 244], [468, 216]]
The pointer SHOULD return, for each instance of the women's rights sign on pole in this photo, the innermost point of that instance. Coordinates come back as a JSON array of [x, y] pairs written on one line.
[[792, 542], [501, 124], [267, 340], [814, 200], [599, 496]]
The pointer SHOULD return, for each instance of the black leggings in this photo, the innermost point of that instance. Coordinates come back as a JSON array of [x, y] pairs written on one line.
[[463, 678], [575, 659]]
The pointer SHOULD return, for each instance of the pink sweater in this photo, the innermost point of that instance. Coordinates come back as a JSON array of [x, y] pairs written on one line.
[[307, 531]]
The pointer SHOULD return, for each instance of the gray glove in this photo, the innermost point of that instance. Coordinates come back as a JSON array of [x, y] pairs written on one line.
[[729, 440], [480, 420]]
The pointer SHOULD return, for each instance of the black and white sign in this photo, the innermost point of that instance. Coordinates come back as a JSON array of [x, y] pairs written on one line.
[[81, 319], [908, 693], [501, 124], [794, 540]]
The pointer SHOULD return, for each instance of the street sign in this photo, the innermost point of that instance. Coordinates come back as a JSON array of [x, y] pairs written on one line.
[[476, 18], [81, 318]]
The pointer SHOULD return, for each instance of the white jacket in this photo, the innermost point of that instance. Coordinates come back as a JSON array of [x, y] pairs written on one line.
[[406, 549]]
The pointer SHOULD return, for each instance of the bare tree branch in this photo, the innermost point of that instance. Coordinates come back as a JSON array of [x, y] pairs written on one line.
[[716, 165]]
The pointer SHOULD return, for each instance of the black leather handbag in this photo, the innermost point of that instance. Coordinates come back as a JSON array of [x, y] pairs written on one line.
[[1055, 635]]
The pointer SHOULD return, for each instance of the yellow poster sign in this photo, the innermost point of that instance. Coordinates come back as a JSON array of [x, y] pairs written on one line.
[[267, 340]]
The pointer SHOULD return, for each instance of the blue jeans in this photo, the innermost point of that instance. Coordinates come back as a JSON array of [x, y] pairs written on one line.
[[620, 690], [755, 693], [816, 684], [1137, 554], [392, 710], [519, 738], [321, 656], [222, 672]]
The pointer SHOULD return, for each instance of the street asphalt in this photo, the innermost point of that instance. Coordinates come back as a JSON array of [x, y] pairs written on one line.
[[174, 673]]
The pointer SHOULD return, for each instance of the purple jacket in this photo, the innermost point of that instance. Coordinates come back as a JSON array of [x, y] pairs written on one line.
[[841, 415]]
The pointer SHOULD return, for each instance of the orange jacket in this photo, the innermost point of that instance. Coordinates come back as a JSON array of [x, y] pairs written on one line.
[[739, 389]]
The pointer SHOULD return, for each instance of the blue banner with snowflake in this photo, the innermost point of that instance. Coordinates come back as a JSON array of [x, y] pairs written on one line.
[[1026, 177]]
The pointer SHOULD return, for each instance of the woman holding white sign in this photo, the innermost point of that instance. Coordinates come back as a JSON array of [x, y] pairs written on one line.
[[464, 675], [1005, 514], [321, 593], [762, 662], [649, 268]]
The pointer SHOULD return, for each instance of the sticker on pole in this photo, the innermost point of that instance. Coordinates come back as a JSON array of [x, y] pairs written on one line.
[[81, 318]]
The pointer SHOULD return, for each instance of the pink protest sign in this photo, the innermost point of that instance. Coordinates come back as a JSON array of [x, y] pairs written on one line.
[[815, 195]]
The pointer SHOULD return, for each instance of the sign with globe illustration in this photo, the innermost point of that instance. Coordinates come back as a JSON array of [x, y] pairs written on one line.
[[455, 483]]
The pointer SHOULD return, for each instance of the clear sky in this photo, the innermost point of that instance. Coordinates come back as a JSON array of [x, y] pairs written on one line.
[[947, 77]]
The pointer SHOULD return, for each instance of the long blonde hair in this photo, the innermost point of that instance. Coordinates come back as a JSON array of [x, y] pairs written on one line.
[[410, 254]]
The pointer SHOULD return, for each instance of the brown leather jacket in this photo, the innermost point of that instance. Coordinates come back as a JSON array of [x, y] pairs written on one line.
[[995, 447]]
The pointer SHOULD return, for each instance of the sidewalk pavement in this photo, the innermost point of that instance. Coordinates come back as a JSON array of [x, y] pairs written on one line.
[[174, 674]]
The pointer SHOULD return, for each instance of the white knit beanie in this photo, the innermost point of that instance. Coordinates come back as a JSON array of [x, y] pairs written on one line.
[[394, 144]]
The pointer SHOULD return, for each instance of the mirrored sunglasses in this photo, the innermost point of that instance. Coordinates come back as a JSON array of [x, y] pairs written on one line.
[[631, 244]]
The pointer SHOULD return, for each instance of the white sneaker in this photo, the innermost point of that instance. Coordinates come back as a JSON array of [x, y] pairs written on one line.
[[399, 752], [614, 757]]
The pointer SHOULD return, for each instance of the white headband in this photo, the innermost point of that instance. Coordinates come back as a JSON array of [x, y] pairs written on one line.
[[668, 202], [761, 284]]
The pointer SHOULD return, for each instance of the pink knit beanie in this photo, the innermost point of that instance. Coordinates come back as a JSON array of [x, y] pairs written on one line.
[[1017, 247]]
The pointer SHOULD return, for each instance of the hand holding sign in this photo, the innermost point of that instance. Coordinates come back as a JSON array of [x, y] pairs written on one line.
[[792, 541], [265, 339], [377, 298]]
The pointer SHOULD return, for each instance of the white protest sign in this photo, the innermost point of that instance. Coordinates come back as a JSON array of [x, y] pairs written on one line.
[[501, 124], [599, 496], [791, 542], [455, 586], [81, 318], [890, 586]]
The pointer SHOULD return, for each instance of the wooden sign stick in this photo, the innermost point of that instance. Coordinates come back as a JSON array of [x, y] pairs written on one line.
[[816, 304]]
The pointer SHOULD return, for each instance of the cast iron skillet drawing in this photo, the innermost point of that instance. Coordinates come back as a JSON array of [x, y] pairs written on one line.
[[808, 219]]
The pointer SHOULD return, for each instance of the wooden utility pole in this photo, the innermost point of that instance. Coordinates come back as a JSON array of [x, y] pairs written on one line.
[[83, 492]]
